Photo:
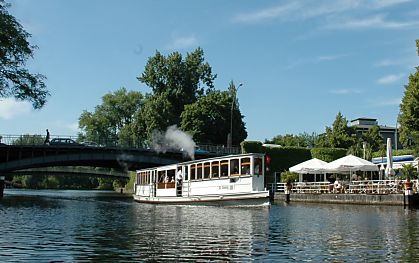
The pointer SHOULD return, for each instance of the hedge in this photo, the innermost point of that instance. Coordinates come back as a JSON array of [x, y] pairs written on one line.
[[328, 154]]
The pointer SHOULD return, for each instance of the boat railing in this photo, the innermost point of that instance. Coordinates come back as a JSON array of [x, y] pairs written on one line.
[[353, 187]]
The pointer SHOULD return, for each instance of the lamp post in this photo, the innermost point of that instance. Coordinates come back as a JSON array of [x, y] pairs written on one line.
[[230, 135], [364, 147], [396, 131]]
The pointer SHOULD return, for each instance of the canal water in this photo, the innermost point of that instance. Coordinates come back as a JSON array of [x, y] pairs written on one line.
[[93, 226]]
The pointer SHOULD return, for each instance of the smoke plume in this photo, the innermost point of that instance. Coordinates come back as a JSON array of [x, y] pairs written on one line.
[[173, 139]]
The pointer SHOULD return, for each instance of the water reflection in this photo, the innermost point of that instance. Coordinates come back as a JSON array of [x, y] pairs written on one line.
[[94, 226]]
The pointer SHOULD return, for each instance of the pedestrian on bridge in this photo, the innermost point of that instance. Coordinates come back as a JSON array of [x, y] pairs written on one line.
[[47, 138]]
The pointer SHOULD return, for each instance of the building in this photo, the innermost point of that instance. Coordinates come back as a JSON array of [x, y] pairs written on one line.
[[363, 124]]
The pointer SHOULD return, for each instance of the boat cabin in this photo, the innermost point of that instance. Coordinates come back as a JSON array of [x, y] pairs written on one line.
[[231, 174]]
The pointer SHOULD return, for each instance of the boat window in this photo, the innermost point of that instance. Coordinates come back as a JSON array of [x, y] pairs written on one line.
[[257, 167], [207, 167], [245, 165], [199, 171], [148, 177], [171, 176], [215, 167], [186, 173], [193, 172], [224, 168], [162, 175], [234, 167]]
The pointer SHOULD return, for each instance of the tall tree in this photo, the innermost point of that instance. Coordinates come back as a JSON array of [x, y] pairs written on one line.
[[288, 140], [409, 112], [208, 119], [340, 135], [112, 120], [15, 79], [373, 138], [180, 80]]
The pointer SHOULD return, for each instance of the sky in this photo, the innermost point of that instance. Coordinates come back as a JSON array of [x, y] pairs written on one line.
[[300, 62]]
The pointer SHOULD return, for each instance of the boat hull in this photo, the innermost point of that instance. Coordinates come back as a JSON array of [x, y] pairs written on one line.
[[245, 199]]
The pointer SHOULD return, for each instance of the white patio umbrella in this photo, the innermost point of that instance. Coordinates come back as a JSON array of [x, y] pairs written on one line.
[[349, 164], [312, 166], [389, 154]]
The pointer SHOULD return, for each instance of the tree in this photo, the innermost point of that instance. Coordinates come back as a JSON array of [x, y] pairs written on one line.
[[208, 119], [15, 50], [373, 138], [339, 135], [288, 140], [112, 121], [180, 80], [27, 139], [156, 114], [409, 112]]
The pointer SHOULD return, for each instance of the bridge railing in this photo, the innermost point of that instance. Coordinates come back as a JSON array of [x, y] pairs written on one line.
[[38, 139]]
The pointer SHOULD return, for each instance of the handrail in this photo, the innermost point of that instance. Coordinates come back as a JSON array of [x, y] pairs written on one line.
[[354, 187]]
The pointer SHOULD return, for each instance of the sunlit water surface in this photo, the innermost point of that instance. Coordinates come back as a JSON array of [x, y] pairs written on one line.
[[90, 226]]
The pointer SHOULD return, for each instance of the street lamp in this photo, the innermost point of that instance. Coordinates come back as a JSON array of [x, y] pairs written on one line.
[[230, 135]]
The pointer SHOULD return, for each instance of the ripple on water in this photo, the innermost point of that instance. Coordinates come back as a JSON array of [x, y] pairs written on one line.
[[91, 226]]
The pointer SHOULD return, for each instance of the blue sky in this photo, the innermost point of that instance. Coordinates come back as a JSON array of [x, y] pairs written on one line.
[[300, 62]]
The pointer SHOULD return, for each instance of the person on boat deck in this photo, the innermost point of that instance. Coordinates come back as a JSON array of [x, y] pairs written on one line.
[[172, 179], [166, 179]]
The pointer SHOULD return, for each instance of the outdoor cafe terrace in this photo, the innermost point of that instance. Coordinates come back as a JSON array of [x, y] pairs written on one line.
[[353, 187]]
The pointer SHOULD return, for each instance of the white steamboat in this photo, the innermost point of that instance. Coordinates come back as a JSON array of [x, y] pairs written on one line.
[[228, 180]]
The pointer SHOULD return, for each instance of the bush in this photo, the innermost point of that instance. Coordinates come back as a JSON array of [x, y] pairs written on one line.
[[328, 154], [251, 147], [289, 177]]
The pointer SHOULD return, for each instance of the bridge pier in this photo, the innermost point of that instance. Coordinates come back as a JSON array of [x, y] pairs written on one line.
[[1, 185]]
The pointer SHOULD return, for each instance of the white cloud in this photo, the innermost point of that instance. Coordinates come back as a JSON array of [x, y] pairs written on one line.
[[376, 21], [10, 108], [267, 13], [345, 91], [388, 102], [315, 60], [390, 79], [387, 3], [332, 14], [183, 42]]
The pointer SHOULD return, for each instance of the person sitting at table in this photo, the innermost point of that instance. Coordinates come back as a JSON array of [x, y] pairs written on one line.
[[337, 187]]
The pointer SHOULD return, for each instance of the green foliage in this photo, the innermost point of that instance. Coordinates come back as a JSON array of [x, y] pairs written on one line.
[[129, 186], [289, 177], [328, 154], [339, 135], [27, 139], [15, 50], [409, 112], [181, 80], [301, 140], [112, 121], [206, 119], [156, 114], [288, 140], [282, 158], [251, 147], [409, 171], [373, 138]]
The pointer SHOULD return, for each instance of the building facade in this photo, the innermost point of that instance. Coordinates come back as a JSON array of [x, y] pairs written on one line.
[[363, 124]]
